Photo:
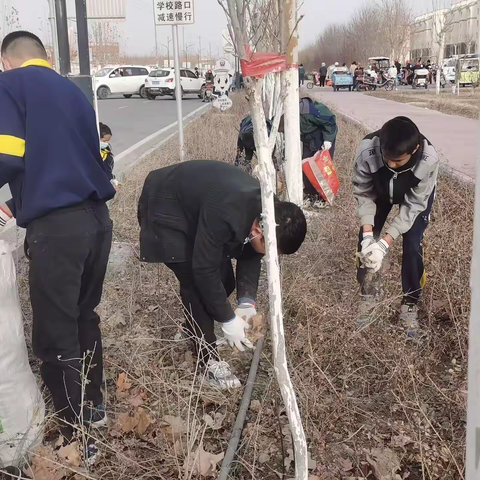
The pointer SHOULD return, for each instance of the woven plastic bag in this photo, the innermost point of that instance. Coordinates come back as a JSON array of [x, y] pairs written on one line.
[[322, 175], [22, 409]]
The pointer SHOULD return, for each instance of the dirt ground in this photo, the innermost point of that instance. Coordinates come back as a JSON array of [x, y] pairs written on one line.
[[464, 105], [374, 405]]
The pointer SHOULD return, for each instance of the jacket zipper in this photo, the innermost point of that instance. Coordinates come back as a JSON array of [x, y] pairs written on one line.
[[394, 177]]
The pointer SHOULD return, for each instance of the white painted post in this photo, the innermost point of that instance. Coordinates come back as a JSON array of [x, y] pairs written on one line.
[[178, 91], [267, 176], [293, 153]]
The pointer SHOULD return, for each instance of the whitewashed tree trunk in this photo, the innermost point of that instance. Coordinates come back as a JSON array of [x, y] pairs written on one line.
[[440, 61], [274, 286], [293, 154]]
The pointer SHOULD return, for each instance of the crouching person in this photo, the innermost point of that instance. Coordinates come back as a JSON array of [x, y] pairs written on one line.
[[195, 217], [394, 166]]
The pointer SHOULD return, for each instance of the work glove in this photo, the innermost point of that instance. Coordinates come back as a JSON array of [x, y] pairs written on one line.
[[4, 217], [372, 257], [367, 241], [245, 311], [234, 332], [327, 145]]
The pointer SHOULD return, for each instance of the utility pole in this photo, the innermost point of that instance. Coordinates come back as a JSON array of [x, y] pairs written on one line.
[[199, 51], [293, 156], [53, 28], [167, 46], [82, 32], [155, 32], [62, 30], [178, 91]]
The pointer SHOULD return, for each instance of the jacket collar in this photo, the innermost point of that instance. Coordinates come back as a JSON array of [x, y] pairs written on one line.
[[36, 62]]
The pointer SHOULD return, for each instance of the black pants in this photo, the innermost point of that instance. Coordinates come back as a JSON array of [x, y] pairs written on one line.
[[308, 188], [413, 271], [322, 80], [200, 325], [301, 80], [68, 251]]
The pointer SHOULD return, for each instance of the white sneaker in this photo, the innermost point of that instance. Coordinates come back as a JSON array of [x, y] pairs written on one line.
[[220, 376], [409, 317]]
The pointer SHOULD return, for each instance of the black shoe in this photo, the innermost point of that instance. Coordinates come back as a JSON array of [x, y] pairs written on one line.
[[95, 416]]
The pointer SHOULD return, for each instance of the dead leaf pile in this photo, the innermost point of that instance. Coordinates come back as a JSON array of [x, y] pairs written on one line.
[[203, 463], [385, 464], [138, 423]]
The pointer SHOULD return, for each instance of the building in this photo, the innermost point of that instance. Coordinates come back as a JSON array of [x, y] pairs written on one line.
[[460, 24]]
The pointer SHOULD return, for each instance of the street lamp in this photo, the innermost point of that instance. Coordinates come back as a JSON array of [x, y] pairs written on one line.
[[186, 53], [167, 46]]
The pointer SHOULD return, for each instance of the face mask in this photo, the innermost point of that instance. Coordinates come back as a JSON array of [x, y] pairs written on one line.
[[249, 240], [104, 145]]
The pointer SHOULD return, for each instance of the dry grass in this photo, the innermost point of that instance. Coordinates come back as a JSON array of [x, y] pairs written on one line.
[[464, 105], [357, 390]]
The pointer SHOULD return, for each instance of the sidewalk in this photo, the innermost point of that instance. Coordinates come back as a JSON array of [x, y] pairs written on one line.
[[455, 138]]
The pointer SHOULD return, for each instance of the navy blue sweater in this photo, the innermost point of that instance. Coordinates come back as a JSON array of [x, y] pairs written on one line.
[[49, 145]]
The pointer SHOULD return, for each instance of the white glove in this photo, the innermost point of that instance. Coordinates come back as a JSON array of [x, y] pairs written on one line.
[[372, 257], [327, 145], [246, 311], [367, 241], [4, 217], [234, 332]]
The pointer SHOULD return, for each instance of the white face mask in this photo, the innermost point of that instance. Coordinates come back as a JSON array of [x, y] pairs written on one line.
[[249, 240], [103, 145]]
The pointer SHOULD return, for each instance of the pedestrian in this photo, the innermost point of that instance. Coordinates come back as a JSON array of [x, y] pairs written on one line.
[[392, 73], [106, 152], [396, 165], [353, 68], [323, 74], [197, 73], [195, 217], [301, 74], [398, 66], [50, 157]]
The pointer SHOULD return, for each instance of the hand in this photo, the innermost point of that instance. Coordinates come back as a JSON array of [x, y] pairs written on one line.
[[372, 257], [327, 145], [368, 240], [246, 311], [234, 332]]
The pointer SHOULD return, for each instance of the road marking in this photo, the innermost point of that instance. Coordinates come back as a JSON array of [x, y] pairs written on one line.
[[146, 101], [125, 106], [139, 144]]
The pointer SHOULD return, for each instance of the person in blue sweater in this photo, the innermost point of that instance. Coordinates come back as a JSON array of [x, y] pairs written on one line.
[[59, 193]]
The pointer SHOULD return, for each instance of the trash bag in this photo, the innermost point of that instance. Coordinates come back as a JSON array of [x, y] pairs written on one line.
[[22, 409]]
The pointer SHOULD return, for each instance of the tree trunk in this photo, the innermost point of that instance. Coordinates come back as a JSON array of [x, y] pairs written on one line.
[[274, 288], [440, 61], [293, 156]]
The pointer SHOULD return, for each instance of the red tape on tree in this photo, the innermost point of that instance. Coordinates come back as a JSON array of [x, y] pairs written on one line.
[[259, 64]]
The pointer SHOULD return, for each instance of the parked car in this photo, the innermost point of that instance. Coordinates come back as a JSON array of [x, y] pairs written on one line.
[[162, 82], [126, 80]]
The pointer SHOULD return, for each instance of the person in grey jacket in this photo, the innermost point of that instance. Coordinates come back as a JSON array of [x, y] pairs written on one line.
[[396, 165]]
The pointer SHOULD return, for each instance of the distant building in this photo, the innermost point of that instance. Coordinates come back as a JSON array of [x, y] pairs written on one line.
[[462, 21]]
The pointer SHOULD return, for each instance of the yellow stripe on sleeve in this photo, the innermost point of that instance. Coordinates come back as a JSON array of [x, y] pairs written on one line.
[[10, 145]]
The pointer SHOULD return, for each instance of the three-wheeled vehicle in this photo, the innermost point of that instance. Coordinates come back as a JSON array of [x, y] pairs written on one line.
[[342, 79], [469, 70], [383, 63]]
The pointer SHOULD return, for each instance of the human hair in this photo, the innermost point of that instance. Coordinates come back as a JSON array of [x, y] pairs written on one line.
[[399, 136], [291, 227], [23, 45], [104, 130]]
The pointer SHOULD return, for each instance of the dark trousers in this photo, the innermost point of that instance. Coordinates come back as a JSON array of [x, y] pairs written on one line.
[[308, 188], [199, 324], [322, 80], [413, 271], [301, 80], [68, 251]]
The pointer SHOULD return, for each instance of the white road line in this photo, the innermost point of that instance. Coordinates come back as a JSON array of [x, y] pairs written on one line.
[[146, 101], [139, 144], [125, 106]]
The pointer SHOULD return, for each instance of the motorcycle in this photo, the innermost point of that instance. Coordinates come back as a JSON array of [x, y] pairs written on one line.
[[364, 83], [208, 95], [420, 76], [385, 82]]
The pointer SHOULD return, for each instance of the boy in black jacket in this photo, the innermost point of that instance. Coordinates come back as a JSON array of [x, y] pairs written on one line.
[[195, 217]]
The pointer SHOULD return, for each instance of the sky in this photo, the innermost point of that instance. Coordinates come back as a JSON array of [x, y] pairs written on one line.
[[138, 32]]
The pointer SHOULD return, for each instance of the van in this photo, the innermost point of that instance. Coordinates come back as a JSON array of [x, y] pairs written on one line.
[[126, 80]]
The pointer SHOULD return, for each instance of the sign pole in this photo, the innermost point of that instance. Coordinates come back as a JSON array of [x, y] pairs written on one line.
[[178, 91]]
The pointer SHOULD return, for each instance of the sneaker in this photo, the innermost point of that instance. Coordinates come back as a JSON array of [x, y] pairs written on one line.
[[95, 416], [367, 304], [220, 376], [320, 204], [409, 317]]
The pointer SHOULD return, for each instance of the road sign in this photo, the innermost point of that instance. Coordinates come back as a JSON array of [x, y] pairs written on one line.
[[174, 12], [223, 103]]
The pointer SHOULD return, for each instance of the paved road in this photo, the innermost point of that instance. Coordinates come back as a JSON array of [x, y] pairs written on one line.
[[455, 138], [132, 120]]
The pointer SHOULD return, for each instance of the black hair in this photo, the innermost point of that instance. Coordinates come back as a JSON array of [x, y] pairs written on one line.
[[12, 37], [104, 130], [291, 227], [399, 136]]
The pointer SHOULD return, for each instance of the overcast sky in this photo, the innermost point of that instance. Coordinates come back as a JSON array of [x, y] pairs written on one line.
[[137, 32]]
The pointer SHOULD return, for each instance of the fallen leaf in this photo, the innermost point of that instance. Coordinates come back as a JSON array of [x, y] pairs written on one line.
[[384, 463], [122, 383], [216, 422], [43, 467], [203, 463], [126, 422], [346, 464], [263, 458], [173, 425], [289, 460], [142, 421], [117, 319], [135, 401], [71, 453], [255, 405], [314, 477], [59, 442], [312, 464], [400, 440]]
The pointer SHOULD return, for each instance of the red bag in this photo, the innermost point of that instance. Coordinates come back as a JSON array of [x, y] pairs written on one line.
[[322, 175]]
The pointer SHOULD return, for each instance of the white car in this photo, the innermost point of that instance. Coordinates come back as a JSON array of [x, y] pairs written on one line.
[[126, 80], [162, 82]]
